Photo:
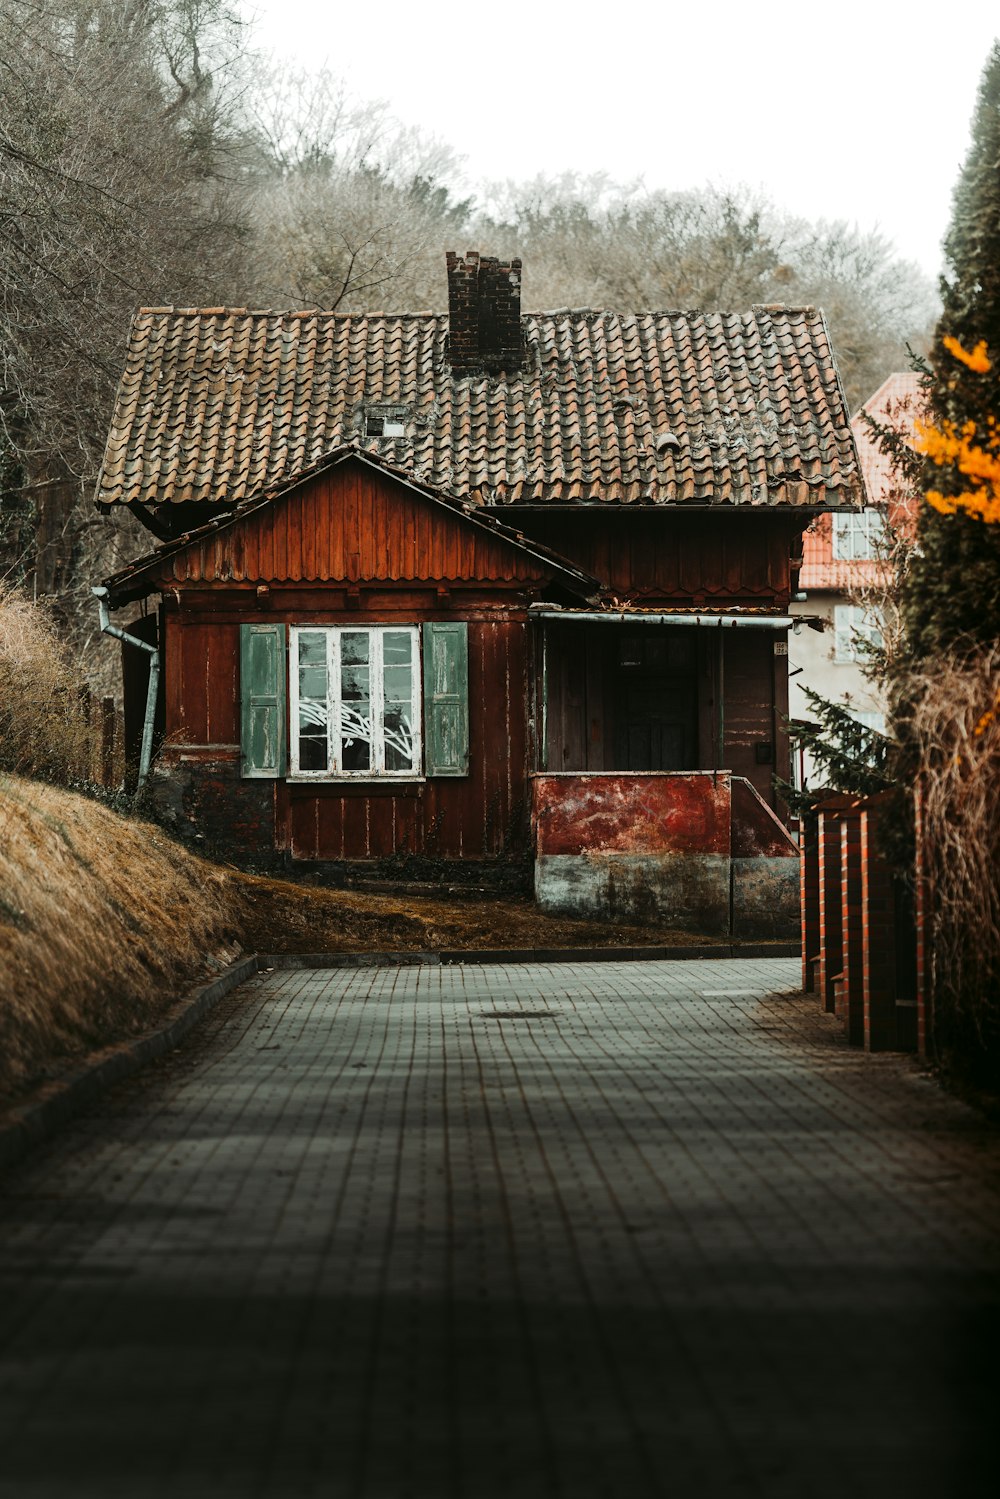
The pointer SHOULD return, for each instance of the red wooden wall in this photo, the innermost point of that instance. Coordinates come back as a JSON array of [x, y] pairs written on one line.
[[347, 525], [353, 547], [716, 560], [481, 815]]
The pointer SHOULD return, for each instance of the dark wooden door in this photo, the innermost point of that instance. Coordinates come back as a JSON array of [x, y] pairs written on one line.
[[656, 712]]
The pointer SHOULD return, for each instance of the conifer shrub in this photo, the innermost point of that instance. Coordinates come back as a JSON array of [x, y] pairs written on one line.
[[951, 595]]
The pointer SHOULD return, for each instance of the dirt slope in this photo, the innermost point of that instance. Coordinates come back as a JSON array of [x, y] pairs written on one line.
[[278, 916]]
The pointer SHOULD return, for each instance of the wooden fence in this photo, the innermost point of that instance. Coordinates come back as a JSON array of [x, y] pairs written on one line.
[[105, 738], [859, 929]]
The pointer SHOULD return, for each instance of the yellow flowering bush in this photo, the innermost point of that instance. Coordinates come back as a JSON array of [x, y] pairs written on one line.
[[975, 457]]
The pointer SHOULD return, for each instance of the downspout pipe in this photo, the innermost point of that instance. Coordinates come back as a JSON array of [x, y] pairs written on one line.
[[153, 652]]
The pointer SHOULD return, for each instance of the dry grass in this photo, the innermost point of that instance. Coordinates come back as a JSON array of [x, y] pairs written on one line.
[[43, 723], [953, 714], [102, 920]]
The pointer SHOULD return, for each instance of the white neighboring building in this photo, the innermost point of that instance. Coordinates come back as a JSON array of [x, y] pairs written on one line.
[[842, 564]]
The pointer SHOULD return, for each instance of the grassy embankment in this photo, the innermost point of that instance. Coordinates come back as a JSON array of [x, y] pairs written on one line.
[[103, 921]]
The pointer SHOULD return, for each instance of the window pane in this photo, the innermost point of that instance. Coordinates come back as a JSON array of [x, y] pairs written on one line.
[[397, 690], [354, 686], [854, 628], [398, 685], [397, 647], [313, 735], [875, 532], [399, 746], [312, 682], [844, 632], [841, 537], [312, 647], [313, 750], [356, 735], [857, 538], [354, 647]]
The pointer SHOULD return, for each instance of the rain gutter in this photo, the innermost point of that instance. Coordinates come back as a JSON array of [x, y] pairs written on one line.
[[720, 621]]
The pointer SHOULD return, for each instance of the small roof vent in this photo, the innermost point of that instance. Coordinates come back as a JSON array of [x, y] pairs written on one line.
[[385, 421], [664, 440]]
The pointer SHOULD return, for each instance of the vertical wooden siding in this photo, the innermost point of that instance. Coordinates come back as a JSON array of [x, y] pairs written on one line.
[[582, 680], [749, 708], [348, 525], [475, 816], [707, 560], [203, 703]]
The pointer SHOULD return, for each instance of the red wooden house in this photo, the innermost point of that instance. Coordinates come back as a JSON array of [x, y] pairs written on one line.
[[483, 596]]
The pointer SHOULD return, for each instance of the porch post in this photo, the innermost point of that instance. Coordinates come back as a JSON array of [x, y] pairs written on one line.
[[543, 757], [720, 702]]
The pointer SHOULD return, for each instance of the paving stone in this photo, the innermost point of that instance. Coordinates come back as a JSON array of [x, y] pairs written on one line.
[[534, 1230]]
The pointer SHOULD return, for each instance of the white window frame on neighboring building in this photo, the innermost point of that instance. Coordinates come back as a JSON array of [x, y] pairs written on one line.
[[344, 725], [859, 535], [855, 627], [868, 719]]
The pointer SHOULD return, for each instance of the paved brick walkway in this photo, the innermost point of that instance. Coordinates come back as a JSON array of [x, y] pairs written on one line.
[[608, 1230]]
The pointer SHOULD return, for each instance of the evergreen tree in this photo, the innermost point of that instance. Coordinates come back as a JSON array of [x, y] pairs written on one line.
[[951, 593], [848, 756]]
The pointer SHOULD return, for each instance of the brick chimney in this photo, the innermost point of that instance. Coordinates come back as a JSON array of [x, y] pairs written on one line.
[[484, 313]]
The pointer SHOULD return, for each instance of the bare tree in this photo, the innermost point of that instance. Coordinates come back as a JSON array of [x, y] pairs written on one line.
[[116, 187], [589, 242], [355, 209], [147, 157]]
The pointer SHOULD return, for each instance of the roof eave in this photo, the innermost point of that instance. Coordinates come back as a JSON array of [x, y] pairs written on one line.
[[128, 584]]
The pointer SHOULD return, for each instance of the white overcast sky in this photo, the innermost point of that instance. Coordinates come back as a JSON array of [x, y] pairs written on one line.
[[849, 110]]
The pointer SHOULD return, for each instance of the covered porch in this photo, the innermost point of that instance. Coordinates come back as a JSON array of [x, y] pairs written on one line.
[[659, 739]]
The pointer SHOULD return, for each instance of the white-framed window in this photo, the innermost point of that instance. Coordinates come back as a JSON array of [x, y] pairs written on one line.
[[868, 719], [855, 629], [859, 536], [355, 701]]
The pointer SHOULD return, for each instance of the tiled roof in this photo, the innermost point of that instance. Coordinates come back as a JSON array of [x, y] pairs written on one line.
[[220, 404], [896, 404]]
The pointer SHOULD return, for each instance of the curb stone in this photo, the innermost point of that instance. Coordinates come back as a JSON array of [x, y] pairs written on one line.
[[46, 1110], [448, 956]]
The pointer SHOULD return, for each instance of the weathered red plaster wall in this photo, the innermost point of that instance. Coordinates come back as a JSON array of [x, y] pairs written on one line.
[[632, 813]]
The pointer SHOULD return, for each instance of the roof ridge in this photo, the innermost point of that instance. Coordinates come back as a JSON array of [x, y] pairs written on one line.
[[784, 307], [284, 312], [540, 312]]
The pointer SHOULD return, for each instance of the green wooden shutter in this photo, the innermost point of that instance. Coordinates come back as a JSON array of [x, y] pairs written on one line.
[[262, 696], [446, 698]]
